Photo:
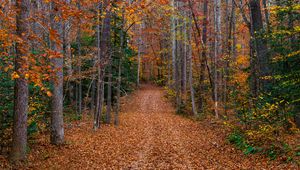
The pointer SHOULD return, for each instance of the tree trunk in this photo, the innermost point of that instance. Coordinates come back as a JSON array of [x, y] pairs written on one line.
[[139, 56], [109, 93], [97, 114], [19, 138], [184, 62], [79, 66], [103, 49], [203, 57], [217, 54], [68, 62], [116, 120], [260, 44], [228, 48], [173, 31], [57, 123], [267, 18], [190, 61], [234, 40], [122, 41]]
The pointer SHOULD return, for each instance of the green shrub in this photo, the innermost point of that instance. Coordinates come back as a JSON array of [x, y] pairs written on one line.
[[239, 140]]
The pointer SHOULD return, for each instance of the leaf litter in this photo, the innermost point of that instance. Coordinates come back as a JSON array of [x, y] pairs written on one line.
[[150, 136]]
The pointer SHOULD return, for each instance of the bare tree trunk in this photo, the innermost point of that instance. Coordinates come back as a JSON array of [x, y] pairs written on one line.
[[103, 57], [190, 61], [260, 43], [99, 97], [169, 62], [266, 12], [122, 41], [175, 58], [234, 40], [184, 62], [173, 31], [217, 53], [19, 138], [68, 62], [96, 115], [96, 62], [98, 111], [116, 120], [227, 51], [93, 92], [139, 55], [203, 57], [109, 93], [57, 123], [79, 65], [178, 64]]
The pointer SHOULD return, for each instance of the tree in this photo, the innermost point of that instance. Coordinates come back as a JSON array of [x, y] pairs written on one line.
[[203, 56], [190, 61], [56, 36], [79, 85], [119, 78], [260, 43], [19, 139], [103, 55], [217, 54]]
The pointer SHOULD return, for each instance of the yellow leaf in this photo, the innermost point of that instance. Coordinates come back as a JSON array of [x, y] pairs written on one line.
[[27, 76], [49, 94], [15, 75], [239, 46]]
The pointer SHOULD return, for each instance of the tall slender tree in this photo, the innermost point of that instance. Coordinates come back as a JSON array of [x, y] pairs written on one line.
[[19, 138], [217, 54], [260, 43], [79, 85], [56, 37], [203, 56], [119, 79]]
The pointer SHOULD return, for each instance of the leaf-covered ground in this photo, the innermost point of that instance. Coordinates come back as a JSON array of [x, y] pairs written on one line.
[[150, 136]]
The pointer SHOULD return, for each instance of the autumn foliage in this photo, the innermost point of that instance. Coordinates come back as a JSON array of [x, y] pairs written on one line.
[[233, 64]]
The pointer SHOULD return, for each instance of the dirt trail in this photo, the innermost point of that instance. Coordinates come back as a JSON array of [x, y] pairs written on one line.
[[150, 136]]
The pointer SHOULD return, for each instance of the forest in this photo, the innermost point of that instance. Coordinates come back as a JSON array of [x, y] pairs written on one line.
[[149, 84]]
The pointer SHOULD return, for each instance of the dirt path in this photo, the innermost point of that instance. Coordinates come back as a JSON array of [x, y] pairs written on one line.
[[150, 136]]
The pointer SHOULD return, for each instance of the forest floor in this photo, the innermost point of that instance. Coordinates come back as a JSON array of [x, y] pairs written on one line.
[[150, 136]]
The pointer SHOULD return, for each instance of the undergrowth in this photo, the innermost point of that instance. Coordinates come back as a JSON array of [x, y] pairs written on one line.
[[275, 150]]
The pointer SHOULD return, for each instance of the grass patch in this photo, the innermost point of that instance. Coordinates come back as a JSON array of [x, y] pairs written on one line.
[[238, 139]]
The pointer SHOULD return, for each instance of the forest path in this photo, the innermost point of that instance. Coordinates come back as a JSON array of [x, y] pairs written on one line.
[[150, 136]]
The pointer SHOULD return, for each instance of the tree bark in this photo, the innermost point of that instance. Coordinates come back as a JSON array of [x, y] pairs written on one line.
[[116, 117], [266, 12], [139, 56], [260, 44], [98, 110], [57, 123], [122, 41], [79, 65], [109, 93], [173, 32], [184, 54], [190, 61], [19, 138], [217, 54], [68, 60], [203, 57], [103, 49]]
